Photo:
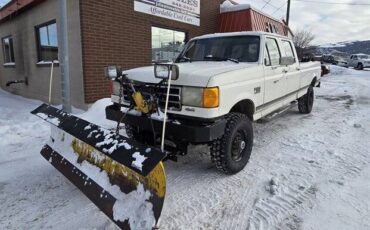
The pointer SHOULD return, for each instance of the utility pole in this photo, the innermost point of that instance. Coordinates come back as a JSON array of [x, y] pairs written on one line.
[[288, 13], [64, 56]]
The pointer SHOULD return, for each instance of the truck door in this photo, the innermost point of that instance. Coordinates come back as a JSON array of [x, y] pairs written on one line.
[[275, 83], [292, 71], [354, 60]]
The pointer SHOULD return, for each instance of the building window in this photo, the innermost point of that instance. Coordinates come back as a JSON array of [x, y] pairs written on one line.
[[8, 50], [47, 42], [166, 44], [271, 29]]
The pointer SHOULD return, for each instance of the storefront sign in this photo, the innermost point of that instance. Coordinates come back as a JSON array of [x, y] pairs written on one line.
[[187, 11]]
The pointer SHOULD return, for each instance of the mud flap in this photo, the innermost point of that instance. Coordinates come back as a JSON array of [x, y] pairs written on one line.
[[124, 179]]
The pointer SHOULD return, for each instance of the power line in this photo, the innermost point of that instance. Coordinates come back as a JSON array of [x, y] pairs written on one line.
[[278, 9], [268, 3], [265, 4], [335, 3]]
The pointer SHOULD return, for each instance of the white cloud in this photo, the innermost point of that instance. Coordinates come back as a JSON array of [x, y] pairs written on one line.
[[330, 23]]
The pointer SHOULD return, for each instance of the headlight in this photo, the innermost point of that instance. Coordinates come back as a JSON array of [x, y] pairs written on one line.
[[112, 72], [163, 71], [201, 97], [192, 96]]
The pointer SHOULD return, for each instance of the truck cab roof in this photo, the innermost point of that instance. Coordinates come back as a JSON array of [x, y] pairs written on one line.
[[245, 33]]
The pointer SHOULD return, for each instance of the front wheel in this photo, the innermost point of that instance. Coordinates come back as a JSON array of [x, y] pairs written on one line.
[[231, 153], [305, 103], [360, 66]]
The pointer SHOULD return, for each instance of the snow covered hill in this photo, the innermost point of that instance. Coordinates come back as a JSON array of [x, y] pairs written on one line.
[[306, 172], [349, 47]]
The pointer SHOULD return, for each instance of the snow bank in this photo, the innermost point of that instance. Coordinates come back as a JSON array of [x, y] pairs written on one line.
[[227, 6], [96, 114]]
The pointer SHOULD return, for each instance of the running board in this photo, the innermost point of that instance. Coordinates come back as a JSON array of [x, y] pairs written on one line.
[[278, 112]]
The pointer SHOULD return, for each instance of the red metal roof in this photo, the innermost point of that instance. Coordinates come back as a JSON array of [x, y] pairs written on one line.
[[250, 20]]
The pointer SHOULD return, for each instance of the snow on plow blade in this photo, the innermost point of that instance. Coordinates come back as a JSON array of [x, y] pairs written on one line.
[[124, 179]]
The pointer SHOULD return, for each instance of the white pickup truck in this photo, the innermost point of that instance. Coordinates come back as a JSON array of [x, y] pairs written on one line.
[[221, 84], [359, 61]]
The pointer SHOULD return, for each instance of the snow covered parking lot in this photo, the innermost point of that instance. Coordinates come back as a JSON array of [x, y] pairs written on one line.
[[306, 171]]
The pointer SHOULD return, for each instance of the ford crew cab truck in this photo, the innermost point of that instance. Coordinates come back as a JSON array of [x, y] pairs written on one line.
[[223, 83], [359, 61]]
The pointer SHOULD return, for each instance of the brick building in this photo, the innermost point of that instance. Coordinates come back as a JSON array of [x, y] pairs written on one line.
[[129, 33]]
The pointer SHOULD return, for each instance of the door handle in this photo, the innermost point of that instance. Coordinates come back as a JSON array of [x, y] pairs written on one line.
[[276, 81], [298, 68], [285, 71], [274, 67]]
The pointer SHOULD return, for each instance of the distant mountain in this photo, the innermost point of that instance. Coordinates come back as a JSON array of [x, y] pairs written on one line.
[[349, 47]]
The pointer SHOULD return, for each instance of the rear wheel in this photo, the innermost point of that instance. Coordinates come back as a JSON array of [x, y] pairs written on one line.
[[360, 66], [232, 152], [305, 103]]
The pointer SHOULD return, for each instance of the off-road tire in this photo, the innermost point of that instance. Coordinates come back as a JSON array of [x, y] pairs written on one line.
[[360, 66], [238, 126], [305, 103]]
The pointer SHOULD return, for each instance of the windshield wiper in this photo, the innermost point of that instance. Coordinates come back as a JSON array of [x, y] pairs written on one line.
[[233, 60], [222, 59], [185, 58]]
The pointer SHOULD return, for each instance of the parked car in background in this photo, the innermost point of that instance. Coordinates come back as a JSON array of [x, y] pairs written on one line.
[[359, 61], [327, 59], [340, 62]]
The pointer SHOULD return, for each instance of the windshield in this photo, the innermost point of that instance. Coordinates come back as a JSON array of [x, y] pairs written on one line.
[[363, 56], [235, 48]]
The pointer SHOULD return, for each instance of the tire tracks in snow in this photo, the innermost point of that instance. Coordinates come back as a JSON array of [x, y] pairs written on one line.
[[345, 162]]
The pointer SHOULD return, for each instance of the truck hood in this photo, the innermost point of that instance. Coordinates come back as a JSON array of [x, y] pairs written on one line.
[[191, 74]]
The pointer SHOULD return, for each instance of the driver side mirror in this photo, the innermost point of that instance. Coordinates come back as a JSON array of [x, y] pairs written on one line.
[[287, 61], [163, 71]]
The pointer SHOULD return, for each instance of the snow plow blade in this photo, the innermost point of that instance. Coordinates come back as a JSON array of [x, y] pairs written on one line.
[[123, 178]]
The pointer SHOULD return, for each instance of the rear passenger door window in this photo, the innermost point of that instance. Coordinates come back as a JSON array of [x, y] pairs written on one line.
[[267, 57], [288, 49], [273, 51]]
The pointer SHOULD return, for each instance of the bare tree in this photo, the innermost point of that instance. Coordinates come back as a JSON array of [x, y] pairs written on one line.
[[302, 40]]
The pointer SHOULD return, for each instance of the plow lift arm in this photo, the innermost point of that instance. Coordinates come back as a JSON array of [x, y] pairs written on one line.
[[123, 178]]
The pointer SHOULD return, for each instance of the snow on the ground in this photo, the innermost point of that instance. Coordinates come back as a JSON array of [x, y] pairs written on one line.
[[306, 171]]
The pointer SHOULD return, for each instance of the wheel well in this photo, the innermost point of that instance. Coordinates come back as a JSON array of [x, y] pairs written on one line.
[[314, 81], [245, 107]]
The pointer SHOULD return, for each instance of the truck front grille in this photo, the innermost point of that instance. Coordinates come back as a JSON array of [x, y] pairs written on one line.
[[174, 102]]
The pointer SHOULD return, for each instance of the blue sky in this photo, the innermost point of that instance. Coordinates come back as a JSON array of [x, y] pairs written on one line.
[[3, 2], [329, 22]]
